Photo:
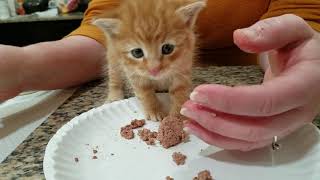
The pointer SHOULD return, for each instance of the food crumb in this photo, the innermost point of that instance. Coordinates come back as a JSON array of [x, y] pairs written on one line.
[[76, 159], [94, 157], [137, 123], [179, 158], [112, 154], [169, 178], [95, 151], [203, 175], [148, 136], [127, 132]]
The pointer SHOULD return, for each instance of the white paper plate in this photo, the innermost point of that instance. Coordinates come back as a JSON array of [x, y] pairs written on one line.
[[21, 115], [120, 159]]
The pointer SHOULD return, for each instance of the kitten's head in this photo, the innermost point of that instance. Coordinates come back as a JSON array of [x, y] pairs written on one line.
[[152, 37]]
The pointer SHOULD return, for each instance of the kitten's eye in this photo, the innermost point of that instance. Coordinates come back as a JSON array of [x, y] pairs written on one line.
[[167, 49], [137, 53]]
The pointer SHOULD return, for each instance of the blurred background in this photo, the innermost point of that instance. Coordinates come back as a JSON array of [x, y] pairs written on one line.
[[24, 22]]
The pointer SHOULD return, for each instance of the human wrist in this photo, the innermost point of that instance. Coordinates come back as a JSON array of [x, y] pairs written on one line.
[[25, 68], [11, 68]]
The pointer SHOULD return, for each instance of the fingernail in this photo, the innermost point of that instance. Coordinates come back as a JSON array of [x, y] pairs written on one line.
[[193, 95], [187, 129], [186, 121], [186, 112], [198, 97]]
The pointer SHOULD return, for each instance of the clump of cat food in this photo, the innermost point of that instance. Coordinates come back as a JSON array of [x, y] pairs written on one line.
[[171, 132], [179, 158], [76, 159], [95, 151], [203, 175], [137, 123], [127, 132], [169, 178], [148, 136], [94, 157]]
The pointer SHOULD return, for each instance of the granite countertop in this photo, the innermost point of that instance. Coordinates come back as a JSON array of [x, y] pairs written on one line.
[[26, 161]]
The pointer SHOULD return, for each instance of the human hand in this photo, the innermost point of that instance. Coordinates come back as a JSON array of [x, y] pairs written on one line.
[[10, 71], [248, 117]]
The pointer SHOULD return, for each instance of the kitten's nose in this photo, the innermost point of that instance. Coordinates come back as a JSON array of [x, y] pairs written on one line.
[[154, 71]]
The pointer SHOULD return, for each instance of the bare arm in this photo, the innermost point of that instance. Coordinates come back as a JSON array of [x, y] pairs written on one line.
[[49, 65], [63, 63]]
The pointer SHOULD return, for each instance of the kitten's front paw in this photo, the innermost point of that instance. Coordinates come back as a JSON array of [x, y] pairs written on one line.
[[155, 115], [114, 96]]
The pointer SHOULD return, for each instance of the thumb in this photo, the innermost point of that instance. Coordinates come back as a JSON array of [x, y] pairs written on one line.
[[272, 33]]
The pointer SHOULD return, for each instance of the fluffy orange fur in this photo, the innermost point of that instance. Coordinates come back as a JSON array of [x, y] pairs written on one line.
[[152, 43]]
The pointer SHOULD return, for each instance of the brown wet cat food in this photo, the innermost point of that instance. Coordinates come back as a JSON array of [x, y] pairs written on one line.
[[148, 136], [94, 157], [137, 123], [203, 175], [179, 158], [171, 132], [169, 178], [127, 132]]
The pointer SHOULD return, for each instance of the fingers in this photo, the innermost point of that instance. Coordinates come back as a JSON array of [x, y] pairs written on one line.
[[272, 33], [283, 93], [251, 129], [221, 141], [256, 100]]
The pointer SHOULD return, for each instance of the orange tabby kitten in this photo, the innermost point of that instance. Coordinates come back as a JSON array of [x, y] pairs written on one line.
[[153, 43]]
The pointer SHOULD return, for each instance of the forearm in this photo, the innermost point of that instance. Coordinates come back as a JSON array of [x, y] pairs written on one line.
[[61, 64]]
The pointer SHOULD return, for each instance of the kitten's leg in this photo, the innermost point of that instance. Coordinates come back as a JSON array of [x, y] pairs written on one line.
[[151, 105], [115, 84], [179, 92]]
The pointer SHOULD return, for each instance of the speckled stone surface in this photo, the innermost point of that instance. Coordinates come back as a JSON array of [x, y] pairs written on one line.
[[26, 161]]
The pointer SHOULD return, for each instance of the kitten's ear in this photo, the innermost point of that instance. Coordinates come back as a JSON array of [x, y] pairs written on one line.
[[108, 25], [189, 13]]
